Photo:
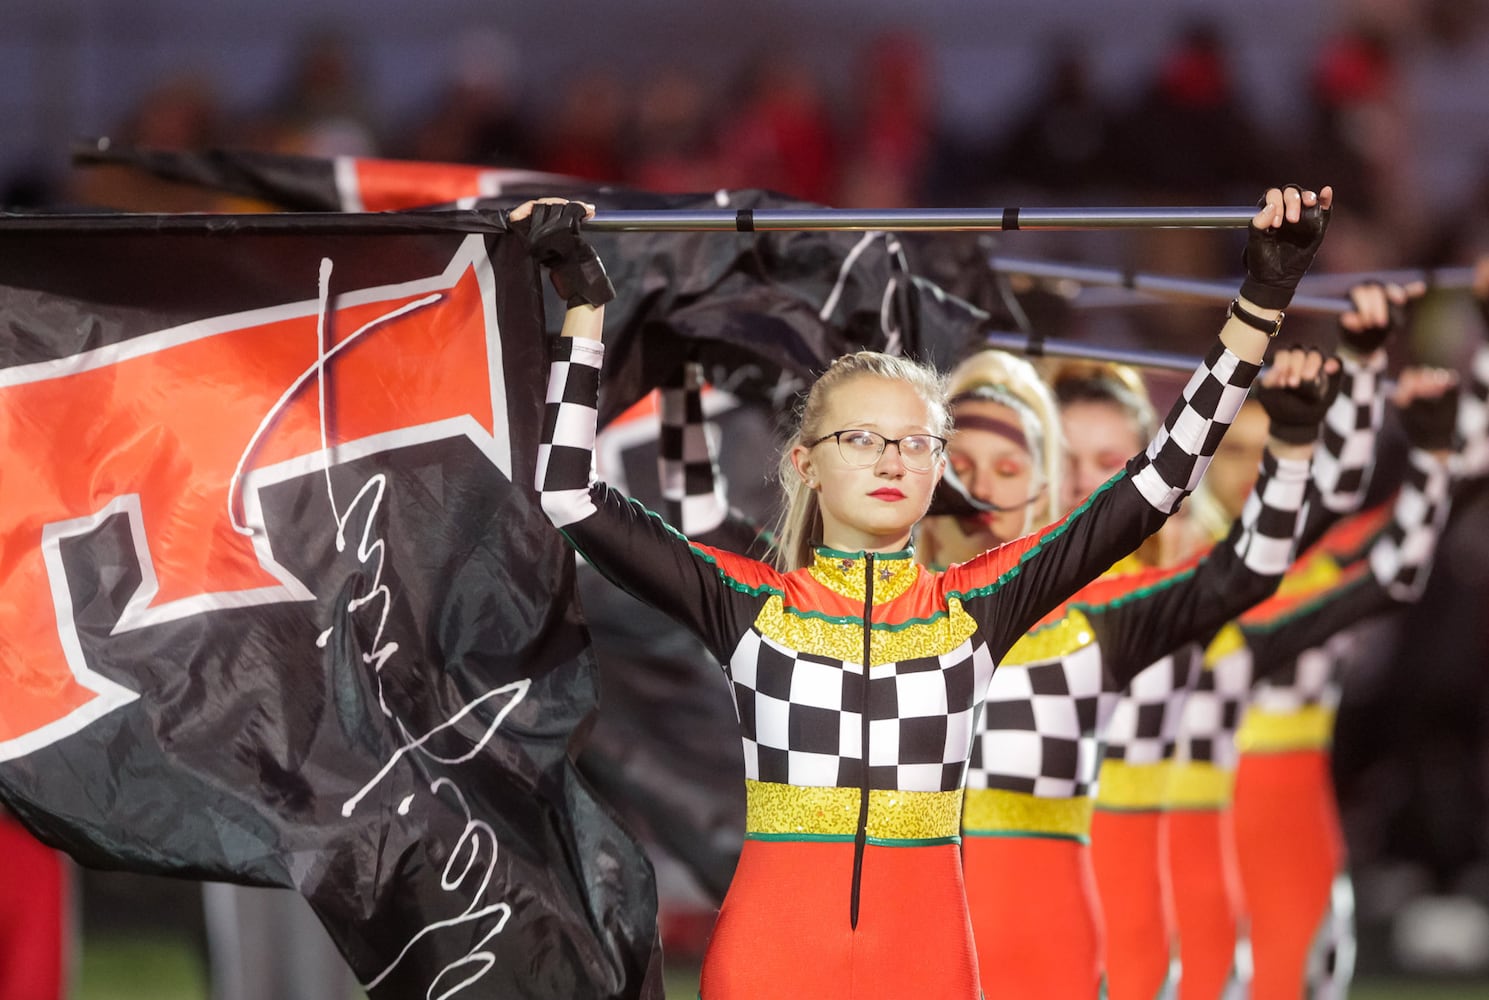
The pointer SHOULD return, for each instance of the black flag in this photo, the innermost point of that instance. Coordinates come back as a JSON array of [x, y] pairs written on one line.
[[279, 607], [763, 311]]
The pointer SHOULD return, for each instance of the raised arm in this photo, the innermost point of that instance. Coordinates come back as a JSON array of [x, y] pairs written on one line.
[[1162, 610], [703, 589], [1347, 444], [694, 492], [1395, 563], [1010, 588]]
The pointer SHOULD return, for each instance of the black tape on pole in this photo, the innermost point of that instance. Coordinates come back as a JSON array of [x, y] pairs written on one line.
[[1010, 219], [744, 220]]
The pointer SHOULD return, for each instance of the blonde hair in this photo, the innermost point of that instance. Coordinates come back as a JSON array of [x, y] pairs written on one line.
[[1000, 377], [1106, 382], [1122, 387], [800, 524]]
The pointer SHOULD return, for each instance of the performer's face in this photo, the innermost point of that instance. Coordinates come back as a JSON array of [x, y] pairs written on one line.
[[1232, 471], [872, 506], [989, 454], [1099, 439]]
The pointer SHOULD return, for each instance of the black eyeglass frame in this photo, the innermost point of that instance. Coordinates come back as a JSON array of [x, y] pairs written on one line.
[[884, 443]]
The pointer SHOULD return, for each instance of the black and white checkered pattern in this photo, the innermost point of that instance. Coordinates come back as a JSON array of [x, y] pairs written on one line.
[[1401, 558], [1310, 680], [1214, 709], [1472, 458], [1144, 728], [801, 717], [1342, 464], [687, 464], [565, 467], [1269, 519], [1039, 725], [1178, 455]]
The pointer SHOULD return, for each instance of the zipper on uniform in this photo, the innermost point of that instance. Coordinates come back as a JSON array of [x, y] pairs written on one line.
[[860, 839]]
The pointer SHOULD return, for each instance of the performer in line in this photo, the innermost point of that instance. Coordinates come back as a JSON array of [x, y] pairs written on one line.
[[1128, 852], [1028, 803], [1101, 407], [850, 879], [1302, 939], [1362, 566]]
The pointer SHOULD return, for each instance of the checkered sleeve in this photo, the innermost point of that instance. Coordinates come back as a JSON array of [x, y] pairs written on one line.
[[1389, 567], [1401, 558], [565, 469], [694, 490], [1346, 453], [687, 467], [1165, 609], [1471, 461], [1174, 461], [713, 594]]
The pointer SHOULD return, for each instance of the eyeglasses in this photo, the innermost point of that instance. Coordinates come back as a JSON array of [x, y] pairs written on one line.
[[863, 448]]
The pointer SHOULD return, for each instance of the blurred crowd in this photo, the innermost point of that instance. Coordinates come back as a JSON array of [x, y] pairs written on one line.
[[1190, 131]]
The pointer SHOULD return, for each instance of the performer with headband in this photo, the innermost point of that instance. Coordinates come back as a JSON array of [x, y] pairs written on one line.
[[1027, 812]]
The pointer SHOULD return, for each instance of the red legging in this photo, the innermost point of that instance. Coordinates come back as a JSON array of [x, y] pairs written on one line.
[[33, 916], [1207, 898], [1136, 901], [1290, 848], [1035, 916]]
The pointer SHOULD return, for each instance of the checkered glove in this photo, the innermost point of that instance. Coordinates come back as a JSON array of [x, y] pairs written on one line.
[[1430, 421], [1296, 411], [573, 266], [1276, 259]]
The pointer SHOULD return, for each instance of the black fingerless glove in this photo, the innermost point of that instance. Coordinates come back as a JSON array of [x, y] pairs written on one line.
[[1276, 259], [1369, 340], [1296, 411], [573, 266], [1430, 421]]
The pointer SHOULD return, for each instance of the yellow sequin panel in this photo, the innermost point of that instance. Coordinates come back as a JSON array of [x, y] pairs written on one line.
[[995, 810], [1198, 785], [774, 808], [1062, 638], [1310, 728], [1227, 641], [848, 575], [1319, 573], [1132, 786], [844, 641]]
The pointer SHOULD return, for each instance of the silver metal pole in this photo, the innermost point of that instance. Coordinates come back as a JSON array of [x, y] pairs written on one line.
[[1154, 284], [742, 221], [1444, 279], [919, 219], [1021, 344]]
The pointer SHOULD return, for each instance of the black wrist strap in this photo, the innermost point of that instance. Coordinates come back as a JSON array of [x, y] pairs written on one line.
[[1268, 326]]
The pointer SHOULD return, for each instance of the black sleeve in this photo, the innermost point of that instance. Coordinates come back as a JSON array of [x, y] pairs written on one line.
[[1161, 611]]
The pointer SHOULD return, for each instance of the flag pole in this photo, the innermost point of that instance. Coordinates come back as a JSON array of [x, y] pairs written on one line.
[[629, 221], [1445, 279], [918, 219], [1036, 347]]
